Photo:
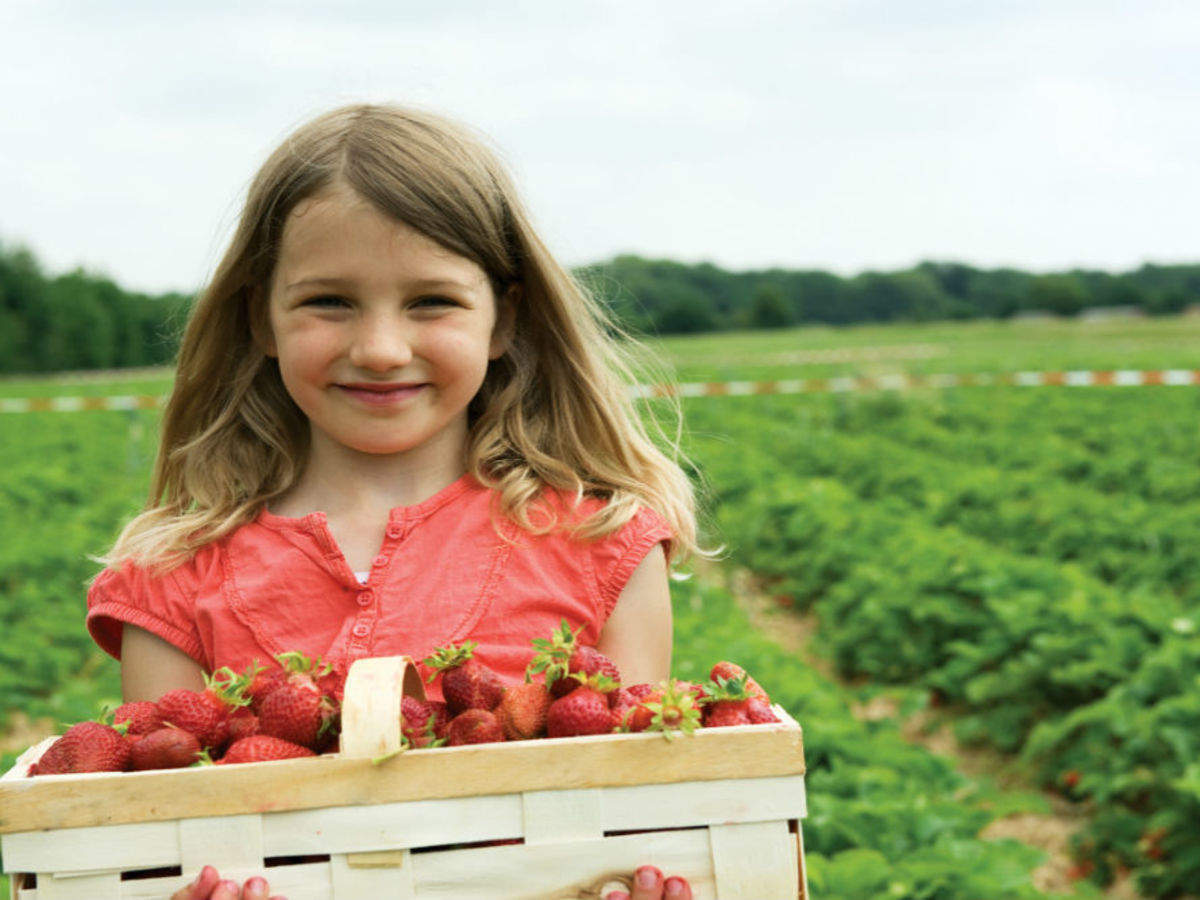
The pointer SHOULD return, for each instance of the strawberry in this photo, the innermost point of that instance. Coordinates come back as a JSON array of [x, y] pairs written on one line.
[[522, 711], [168, 747], [640, 691], [259, 681], [242, 723], [582, 711], [297, 711], [673, 708], [562, 655], [204, 713], [85, 747], [466, 682], [621, 705], [474, 726], [424, 722], [262, 748], [729, 671], [729, 702], [141, 715]]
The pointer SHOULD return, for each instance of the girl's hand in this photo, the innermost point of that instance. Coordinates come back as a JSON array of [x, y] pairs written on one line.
[[209, 886], [649, 884]]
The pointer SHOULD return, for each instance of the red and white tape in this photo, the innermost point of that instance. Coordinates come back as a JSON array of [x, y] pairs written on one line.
[[903, 382]]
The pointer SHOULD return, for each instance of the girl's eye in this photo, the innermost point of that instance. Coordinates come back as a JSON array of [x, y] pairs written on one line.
[[435, 299], [325, 300]]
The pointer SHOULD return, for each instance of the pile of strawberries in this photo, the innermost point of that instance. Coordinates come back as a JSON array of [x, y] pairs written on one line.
[[262, 714], [570, 689], [579, 693]]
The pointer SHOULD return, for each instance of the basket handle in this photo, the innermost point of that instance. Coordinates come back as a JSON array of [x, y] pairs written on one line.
[[371, 709]]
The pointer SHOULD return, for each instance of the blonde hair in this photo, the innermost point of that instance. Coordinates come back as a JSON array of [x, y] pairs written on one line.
[[554, 410]]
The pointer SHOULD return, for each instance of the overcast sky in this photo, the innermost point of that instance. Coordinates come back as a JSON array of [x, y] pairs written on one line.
[[837, 135]]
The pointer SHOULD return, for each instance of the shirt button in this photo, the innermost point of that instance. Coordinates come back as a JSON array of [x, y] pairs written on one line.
[[361, 629], [380, 560], [365, 598], [394, 531]]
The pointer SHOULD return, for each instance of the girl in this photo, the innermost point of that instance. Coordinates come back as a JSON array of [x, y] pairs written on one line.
[[396, 423]]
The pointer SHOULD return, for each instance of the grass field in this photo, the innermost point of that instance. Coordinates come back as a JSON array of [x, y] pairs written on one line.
[[1022, 559]]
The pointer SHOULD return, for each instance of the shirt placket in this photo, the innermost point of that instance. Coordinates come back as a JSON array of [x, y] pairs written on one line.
[[367, 597]]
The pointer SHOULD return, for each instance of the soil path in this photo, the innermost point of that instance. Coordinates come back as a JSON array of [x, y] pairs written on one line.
[[1051, 833]]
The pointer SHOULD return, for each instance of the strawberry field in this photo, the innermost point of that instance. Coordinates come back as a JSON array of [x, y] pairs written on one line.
[[1022, 559]]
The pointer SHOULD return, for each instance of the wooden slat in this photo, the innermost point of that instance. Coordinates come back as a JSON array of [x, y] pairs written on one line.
[[102, 886], [422, 823], [68, 801], [754, 860], [555, 817], [352, 879], [225, 842], [556, 871], [419, 823]]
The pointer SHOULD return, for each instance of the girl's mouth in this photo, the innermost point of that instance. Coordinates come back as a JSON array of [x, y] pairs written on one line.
[[382, 398]]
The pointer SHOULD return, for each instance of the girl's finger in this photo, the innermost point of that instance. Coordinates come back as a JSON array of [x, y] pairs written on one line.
[[616, 895], [255, 888], [226, 890], [647, 883], [200, 888], [676, 888]]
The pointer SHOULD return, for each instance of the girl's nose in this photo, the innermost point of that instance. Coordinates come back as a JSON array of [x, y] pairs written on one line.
[[381, 344]]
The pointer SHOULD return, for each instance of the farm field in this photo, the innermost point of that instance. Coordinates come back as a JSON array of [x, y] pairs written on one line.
[[1022, 559]]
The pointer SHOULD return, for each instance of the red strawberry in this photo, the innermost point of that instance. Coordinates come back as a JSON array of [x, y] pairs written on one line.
[[424, 722], [585, 661], [262, 748], [621, 704], [242, 723], [562, 655], [729, 671], [259, 680], [141, 715], [85, 747], [466, 682], [522, 711], [332, 683], [640, 691], [297, 711], [165, 748], [583, 711], [204, 713], [474, 726], [672, 708], [729, 702]]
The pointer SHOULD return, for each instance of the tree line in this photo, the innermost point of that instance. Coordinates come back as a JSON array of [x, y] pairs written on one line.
[[82, 320]]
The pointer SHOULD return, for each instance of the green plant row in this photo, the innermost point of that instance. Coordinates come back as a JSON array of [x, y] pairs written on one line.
[[886, 818], [1125, 541], [1122, 441], [1021, 645]]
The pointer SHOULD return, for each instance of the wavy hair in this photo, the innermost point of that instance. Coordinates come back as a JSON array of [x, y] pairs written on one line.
[[554, 410]]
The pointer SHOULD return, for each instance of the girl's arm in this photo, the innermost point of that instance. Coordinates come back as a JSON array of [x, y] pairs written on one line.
[[150, 666], [637, 636]]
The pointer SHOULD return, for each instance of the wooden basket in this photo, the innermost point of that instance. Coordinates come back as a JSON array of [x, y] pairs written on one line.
[[720, 807]]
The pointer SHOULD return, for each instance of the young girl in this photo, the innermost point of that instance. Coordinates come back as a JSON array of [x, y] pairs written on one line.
[[396, 423]]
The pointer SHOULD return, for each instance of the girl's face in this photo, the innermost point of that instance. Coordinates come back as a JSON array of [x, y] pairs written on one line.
[[382, 335]]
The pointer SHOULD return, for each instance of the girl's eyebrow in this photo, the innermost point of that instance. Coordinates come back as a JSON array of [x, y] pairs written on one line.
[[423, 284]]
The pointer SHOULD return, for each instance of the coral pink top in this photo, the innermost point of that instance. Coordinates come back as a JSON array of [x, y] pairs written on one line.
[[442, 576]]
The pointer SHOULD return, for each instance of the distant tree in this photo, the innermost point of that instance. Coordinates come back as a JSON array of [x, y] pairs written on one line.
[[1062, 294], [769, 309], [682, 317]]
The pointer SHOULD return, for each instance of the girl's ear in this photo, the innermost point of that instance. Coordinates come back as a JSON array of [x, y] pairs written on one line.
[[260, 321], [506, 320]]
